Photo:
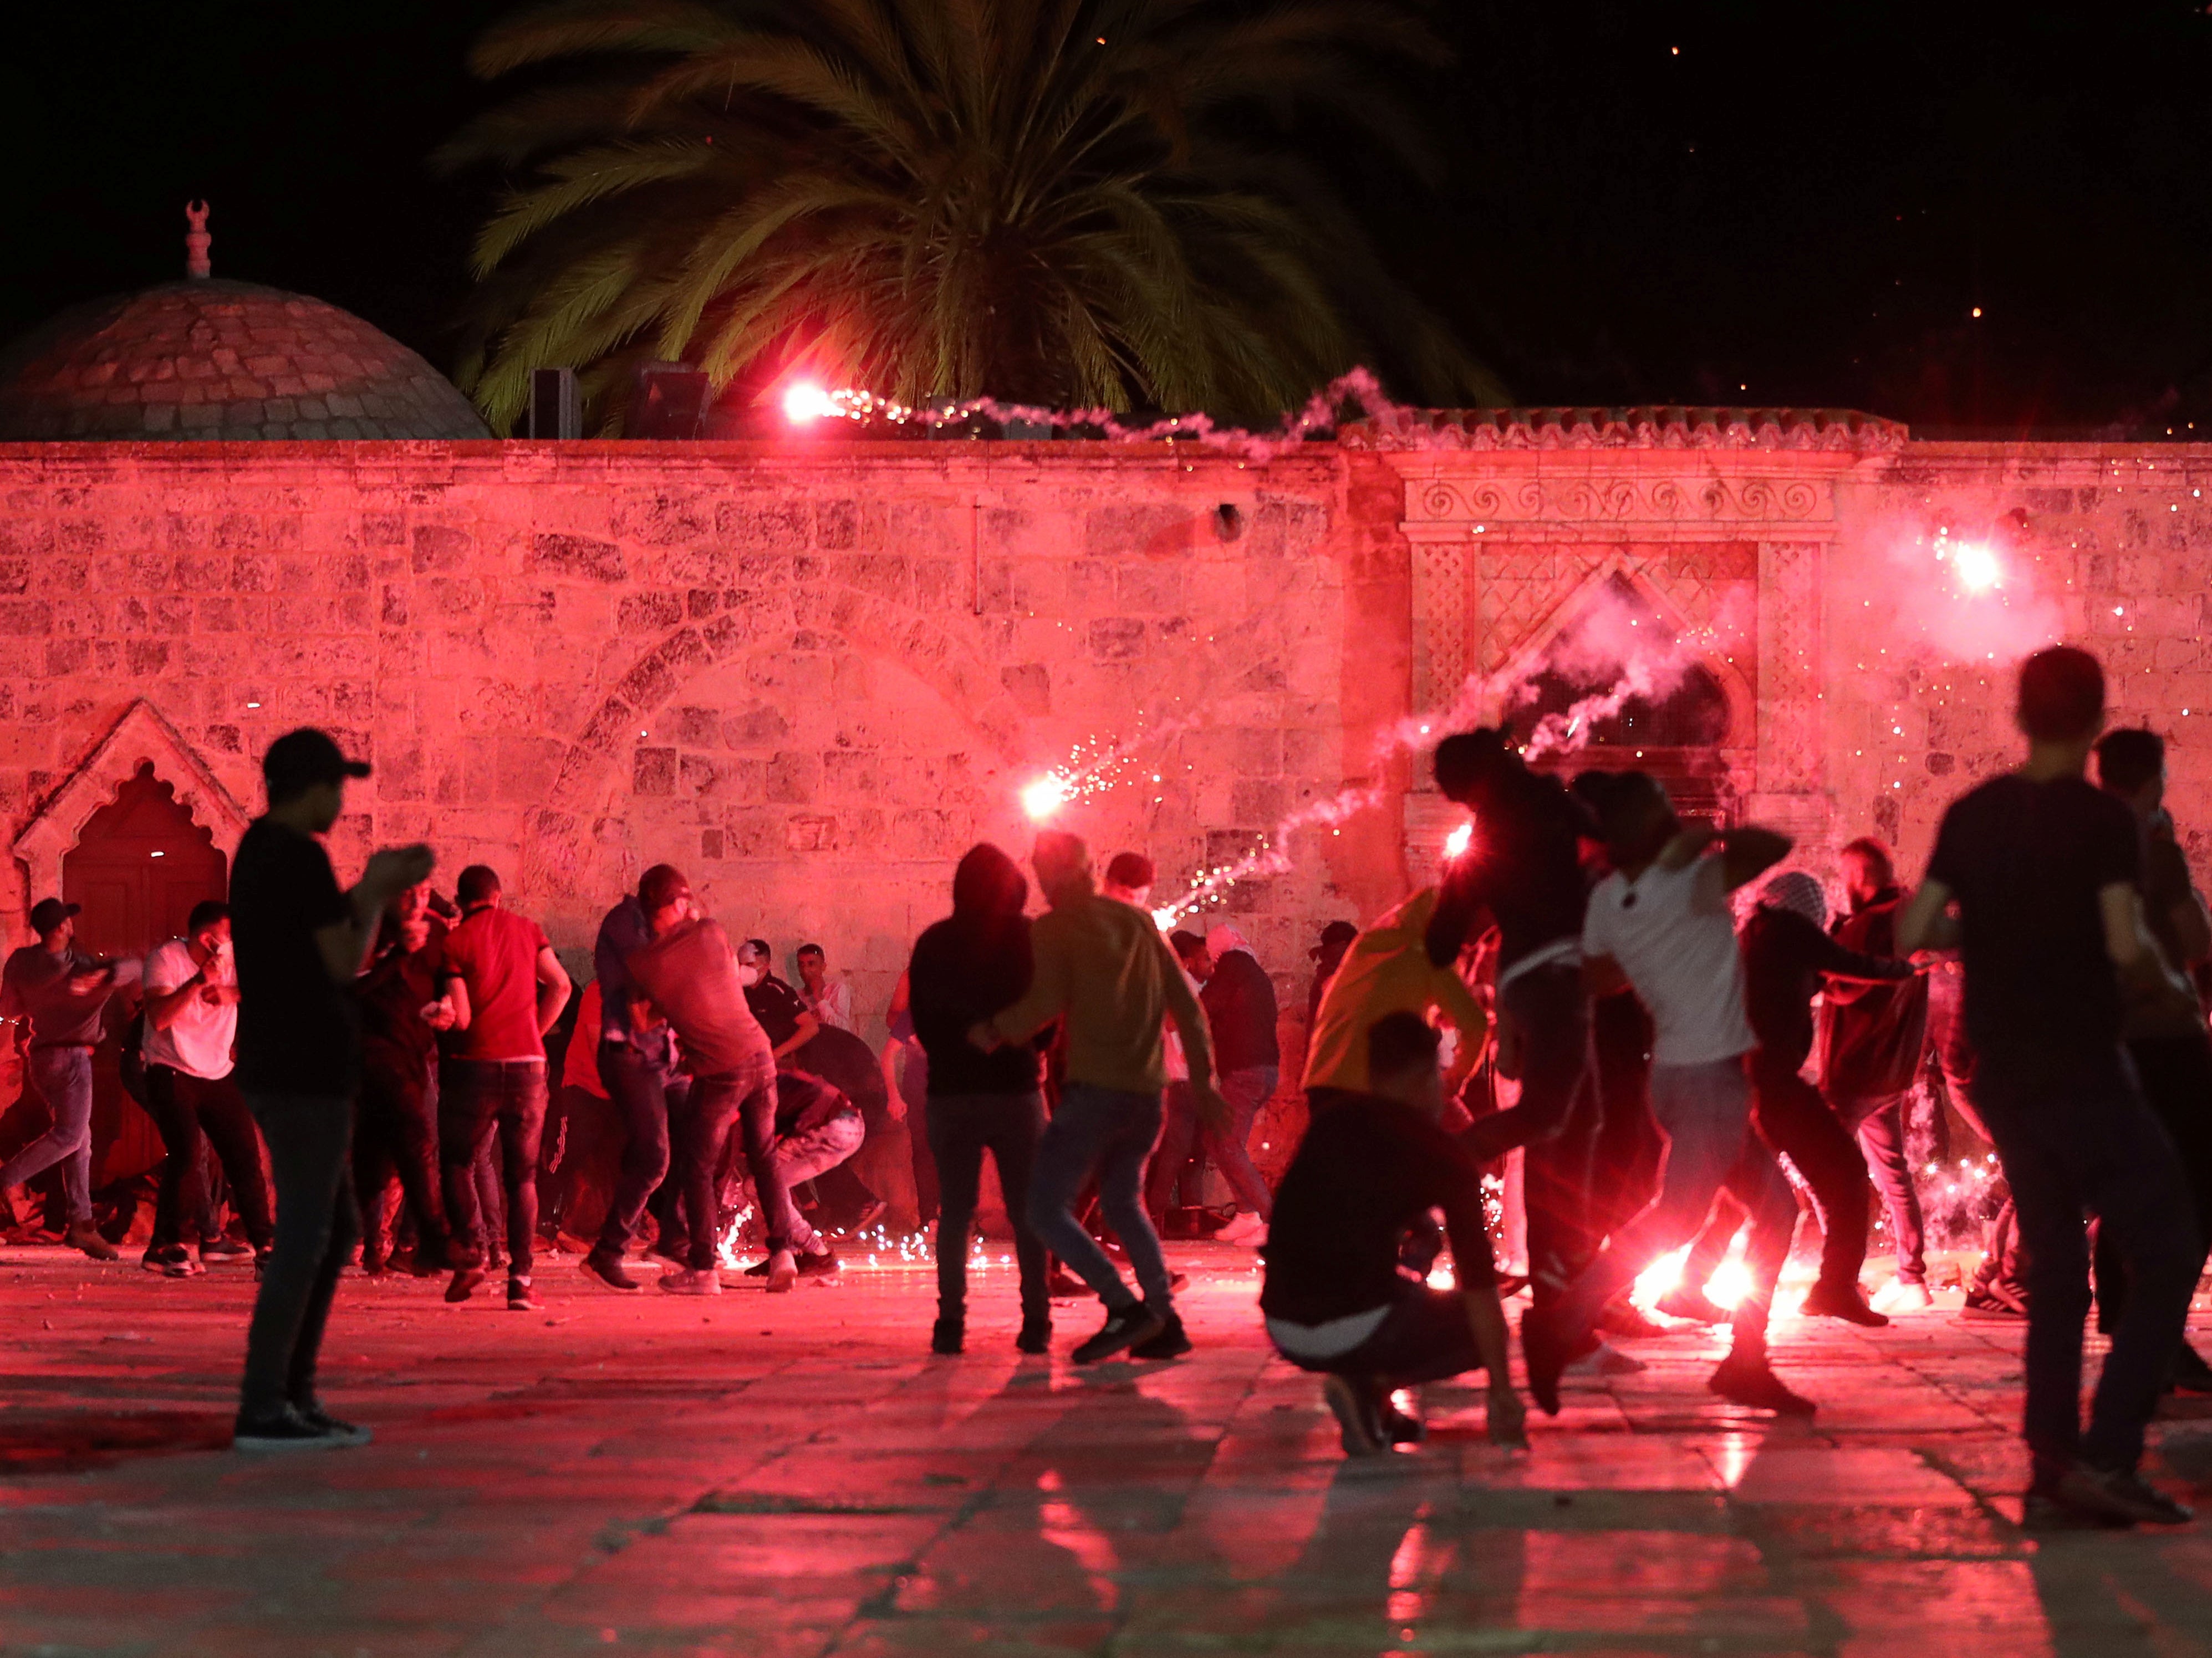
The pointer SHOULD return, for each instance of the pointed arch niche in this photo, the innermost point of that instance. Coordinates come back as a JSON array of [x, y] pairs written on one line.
[[142, 737]]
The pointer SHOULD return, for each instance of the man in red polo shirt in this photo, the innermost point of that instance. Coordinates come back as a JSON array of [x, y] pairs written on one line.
[[506, 987]]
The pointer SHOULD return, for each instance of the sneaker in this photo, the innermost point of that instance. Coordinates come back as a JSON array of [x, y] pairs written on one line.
[[172, 1260], [1604, 1359], [521, 1298], [1170, 1342], [1694, 1304], [871, 1213], [1128, 1327], [782, 1272], [825, 1264], [607, 1268], [1247, 1228], [2083, 1495], [224, 1249], [689, 1281], [678, 1254], [1034, 1337], [465, 1279], [344, 1432], [84, 1235], [946, 1337], [1846, 1302], [1903, 1295], [1358, 1431], [375, 1264], [1752, 1383], [286, 1430]]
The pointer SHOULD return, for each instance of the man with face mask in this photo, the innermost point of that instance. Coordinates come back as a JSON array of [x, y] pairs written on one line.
[[192, 1024]]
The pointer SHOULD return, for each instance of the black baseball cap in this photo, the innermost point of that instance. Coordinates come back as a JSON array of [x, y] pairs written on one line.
[[299, 760], [1336, 932], [50, 912]]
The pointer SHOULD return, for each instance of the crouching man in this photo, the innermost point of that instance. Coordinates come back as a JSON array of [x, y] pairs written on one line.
[[1336, 1301]]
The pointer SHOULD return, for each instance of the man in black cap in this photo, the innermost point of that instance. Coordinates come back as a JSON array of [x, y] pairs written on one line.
[[55, 992], [300, 943]]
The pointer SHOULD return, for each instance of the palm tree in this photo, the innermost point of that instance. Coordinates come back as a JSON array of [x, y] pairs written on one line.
[[1080, 203]]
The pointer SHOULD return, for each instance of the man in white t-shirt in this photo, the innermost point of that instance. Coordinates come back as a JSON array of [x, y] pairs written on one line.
[[1661, 923], [192, 1023]]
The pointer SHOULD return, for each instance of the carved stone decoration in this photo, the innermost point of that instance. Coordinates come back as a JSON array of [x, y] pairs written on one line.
[[1501, 504], [1790, 644], [142, 735], [1442, 661], [1843, 431]]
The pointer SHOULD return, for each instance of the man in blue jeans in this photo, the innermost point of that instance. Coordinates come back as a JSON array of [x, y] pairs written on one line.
[[56, 992], [300, 944], [2044, 869], [1103, 966], [637, 1066]]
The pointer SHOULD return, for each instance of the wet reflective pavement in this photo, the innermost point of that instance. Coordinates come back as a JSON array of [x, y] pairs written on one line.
[[796, 1475]]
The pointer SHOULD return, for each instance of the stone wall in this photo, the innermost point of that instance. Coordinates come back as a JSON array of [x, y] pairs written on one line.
[[812, 675], [809, 677]]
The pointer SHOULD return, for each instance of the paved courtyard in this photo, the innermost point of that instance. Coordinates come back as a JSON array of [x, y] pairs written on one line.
[[796, 1476]]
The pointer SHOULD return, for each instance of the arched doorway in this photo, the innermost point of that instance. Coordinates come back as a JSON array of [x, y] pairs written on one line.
[[1676, 733], [139, 865]]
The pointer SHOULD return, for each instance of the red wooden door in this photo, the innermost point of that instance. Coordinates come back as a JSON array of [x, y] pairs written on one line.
[[138, 868]]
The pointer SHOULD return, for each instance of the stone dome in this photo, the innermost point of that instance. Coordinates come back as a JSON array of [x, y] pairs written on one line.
[[212, 361]]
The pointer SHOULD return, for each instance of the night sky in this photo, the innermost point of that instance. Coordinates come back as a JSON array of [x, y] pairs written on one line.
[[1643, 202]]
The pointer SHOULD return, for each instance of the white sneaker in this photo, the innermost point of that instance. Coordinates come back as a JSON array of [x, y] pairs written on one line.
[[1604, 1359], [1901, 1295], [1247, 1228]]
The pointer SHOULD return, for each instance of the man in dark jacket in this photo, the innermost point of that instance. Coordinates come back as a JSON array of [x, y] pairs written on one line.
[[1239, 999], [1785, 956], [1336, 1299], [1874, 1036]]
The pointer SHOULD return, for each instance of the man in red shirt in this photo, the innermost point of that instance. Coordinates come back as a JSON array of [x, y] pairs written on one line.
[[506, 987]]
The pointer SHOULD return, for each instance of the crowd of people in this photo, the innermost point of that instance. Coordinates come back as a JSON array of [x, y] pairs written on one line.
[[1659, 1015]]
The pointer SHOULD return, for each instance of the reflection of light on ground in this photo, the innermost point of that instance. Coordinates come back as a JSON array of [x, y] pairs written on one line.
[[1414, 1569], [1737, 1449], [1065, 1526]]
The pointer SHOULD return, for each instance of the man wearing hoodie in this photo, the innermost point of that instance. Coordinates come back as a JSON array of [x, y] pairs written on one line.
[[1239, 999], [974, 964], [1102, 967], [1873, 1038]]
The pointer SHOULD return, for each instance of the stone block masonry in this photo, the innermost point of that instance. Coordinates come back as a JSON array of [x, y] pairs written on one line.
[[813, 674]]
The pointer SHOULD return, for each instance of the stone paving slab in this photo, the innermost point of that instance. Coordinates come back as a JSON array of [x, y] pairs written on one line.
[[797, 1475]]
